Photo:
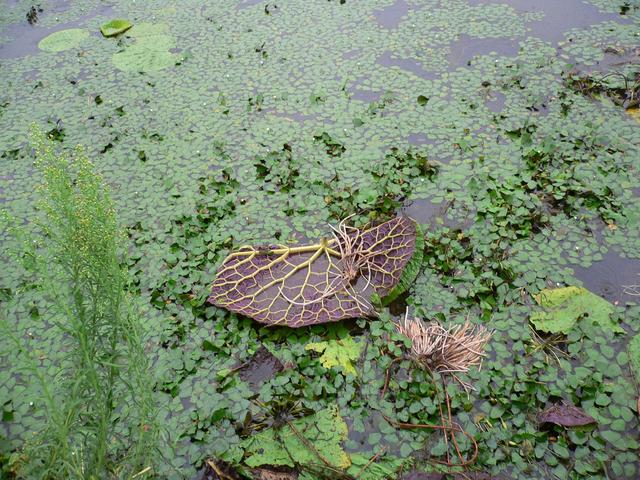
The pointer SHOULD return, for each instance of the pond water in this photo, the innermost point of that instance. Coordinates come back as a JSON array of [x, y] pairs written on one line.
[[224, 123]]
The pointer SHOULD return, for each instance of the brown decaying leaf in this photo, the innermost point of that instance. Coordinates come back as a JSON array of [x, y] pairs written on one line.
[[565, 415], [326, 282]]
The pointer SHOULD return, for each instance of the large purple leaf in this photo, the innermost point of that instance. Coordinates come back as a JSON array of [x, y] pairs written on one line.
[[326, 282], [566, 416]]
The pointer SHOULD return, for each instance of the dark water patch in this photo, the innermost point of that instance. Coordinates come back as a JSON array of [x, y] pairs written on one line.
[[367, 96], [357, 92], [495, 102], [408, 64], [424, 212], [262, 366], [398, 308], [419, 139], [613, 278], [26, 37], [560, 16], [391, 16], [466, 48]]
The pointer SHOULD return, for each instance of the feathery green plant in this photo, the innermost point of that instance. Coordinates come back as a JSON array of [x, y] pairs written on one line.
[[100, 408]]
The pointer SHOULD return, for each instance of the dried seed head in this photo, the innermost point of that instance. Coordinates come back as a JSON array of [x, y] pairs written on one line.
[[446, 350]]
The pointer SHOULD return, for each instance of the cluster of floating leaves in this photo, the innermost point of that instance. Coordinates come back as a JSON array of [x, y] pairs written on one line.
[[492, 93]]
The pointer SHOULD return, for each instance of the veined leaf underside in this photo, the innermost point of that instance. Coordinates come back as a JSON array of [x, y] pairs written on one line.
[[310, 284]]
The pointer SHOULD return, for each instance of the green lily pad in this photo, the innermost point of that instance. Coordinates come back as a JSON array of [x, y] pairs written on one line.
[[563, 307], [149, 52], [63, 40], [338, 353], [115, 27], [634, 356], [324, 430]]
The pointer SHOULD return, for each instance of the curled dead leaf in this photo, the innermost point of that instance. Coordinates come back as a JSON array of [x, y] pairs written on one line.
[[566, 416]]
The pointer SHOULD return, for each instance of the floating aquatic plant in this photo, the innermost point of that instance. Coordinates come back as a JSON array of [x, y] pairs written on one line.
[[63, 40], [325, 282], [115, 27]]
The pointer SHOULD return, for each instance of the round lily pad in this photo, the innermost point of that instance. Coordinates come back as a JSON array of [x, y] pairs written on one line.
[[115, 27], [63, 40], [149, 52], [143, 57]]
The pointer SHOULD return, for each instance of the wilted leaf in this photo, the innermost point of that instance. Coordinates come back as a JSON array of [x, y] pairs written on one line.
[[326, 282], [63, 40], [115, 27], [288, 446], [565, 416], [338, 353], [563, 307]]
